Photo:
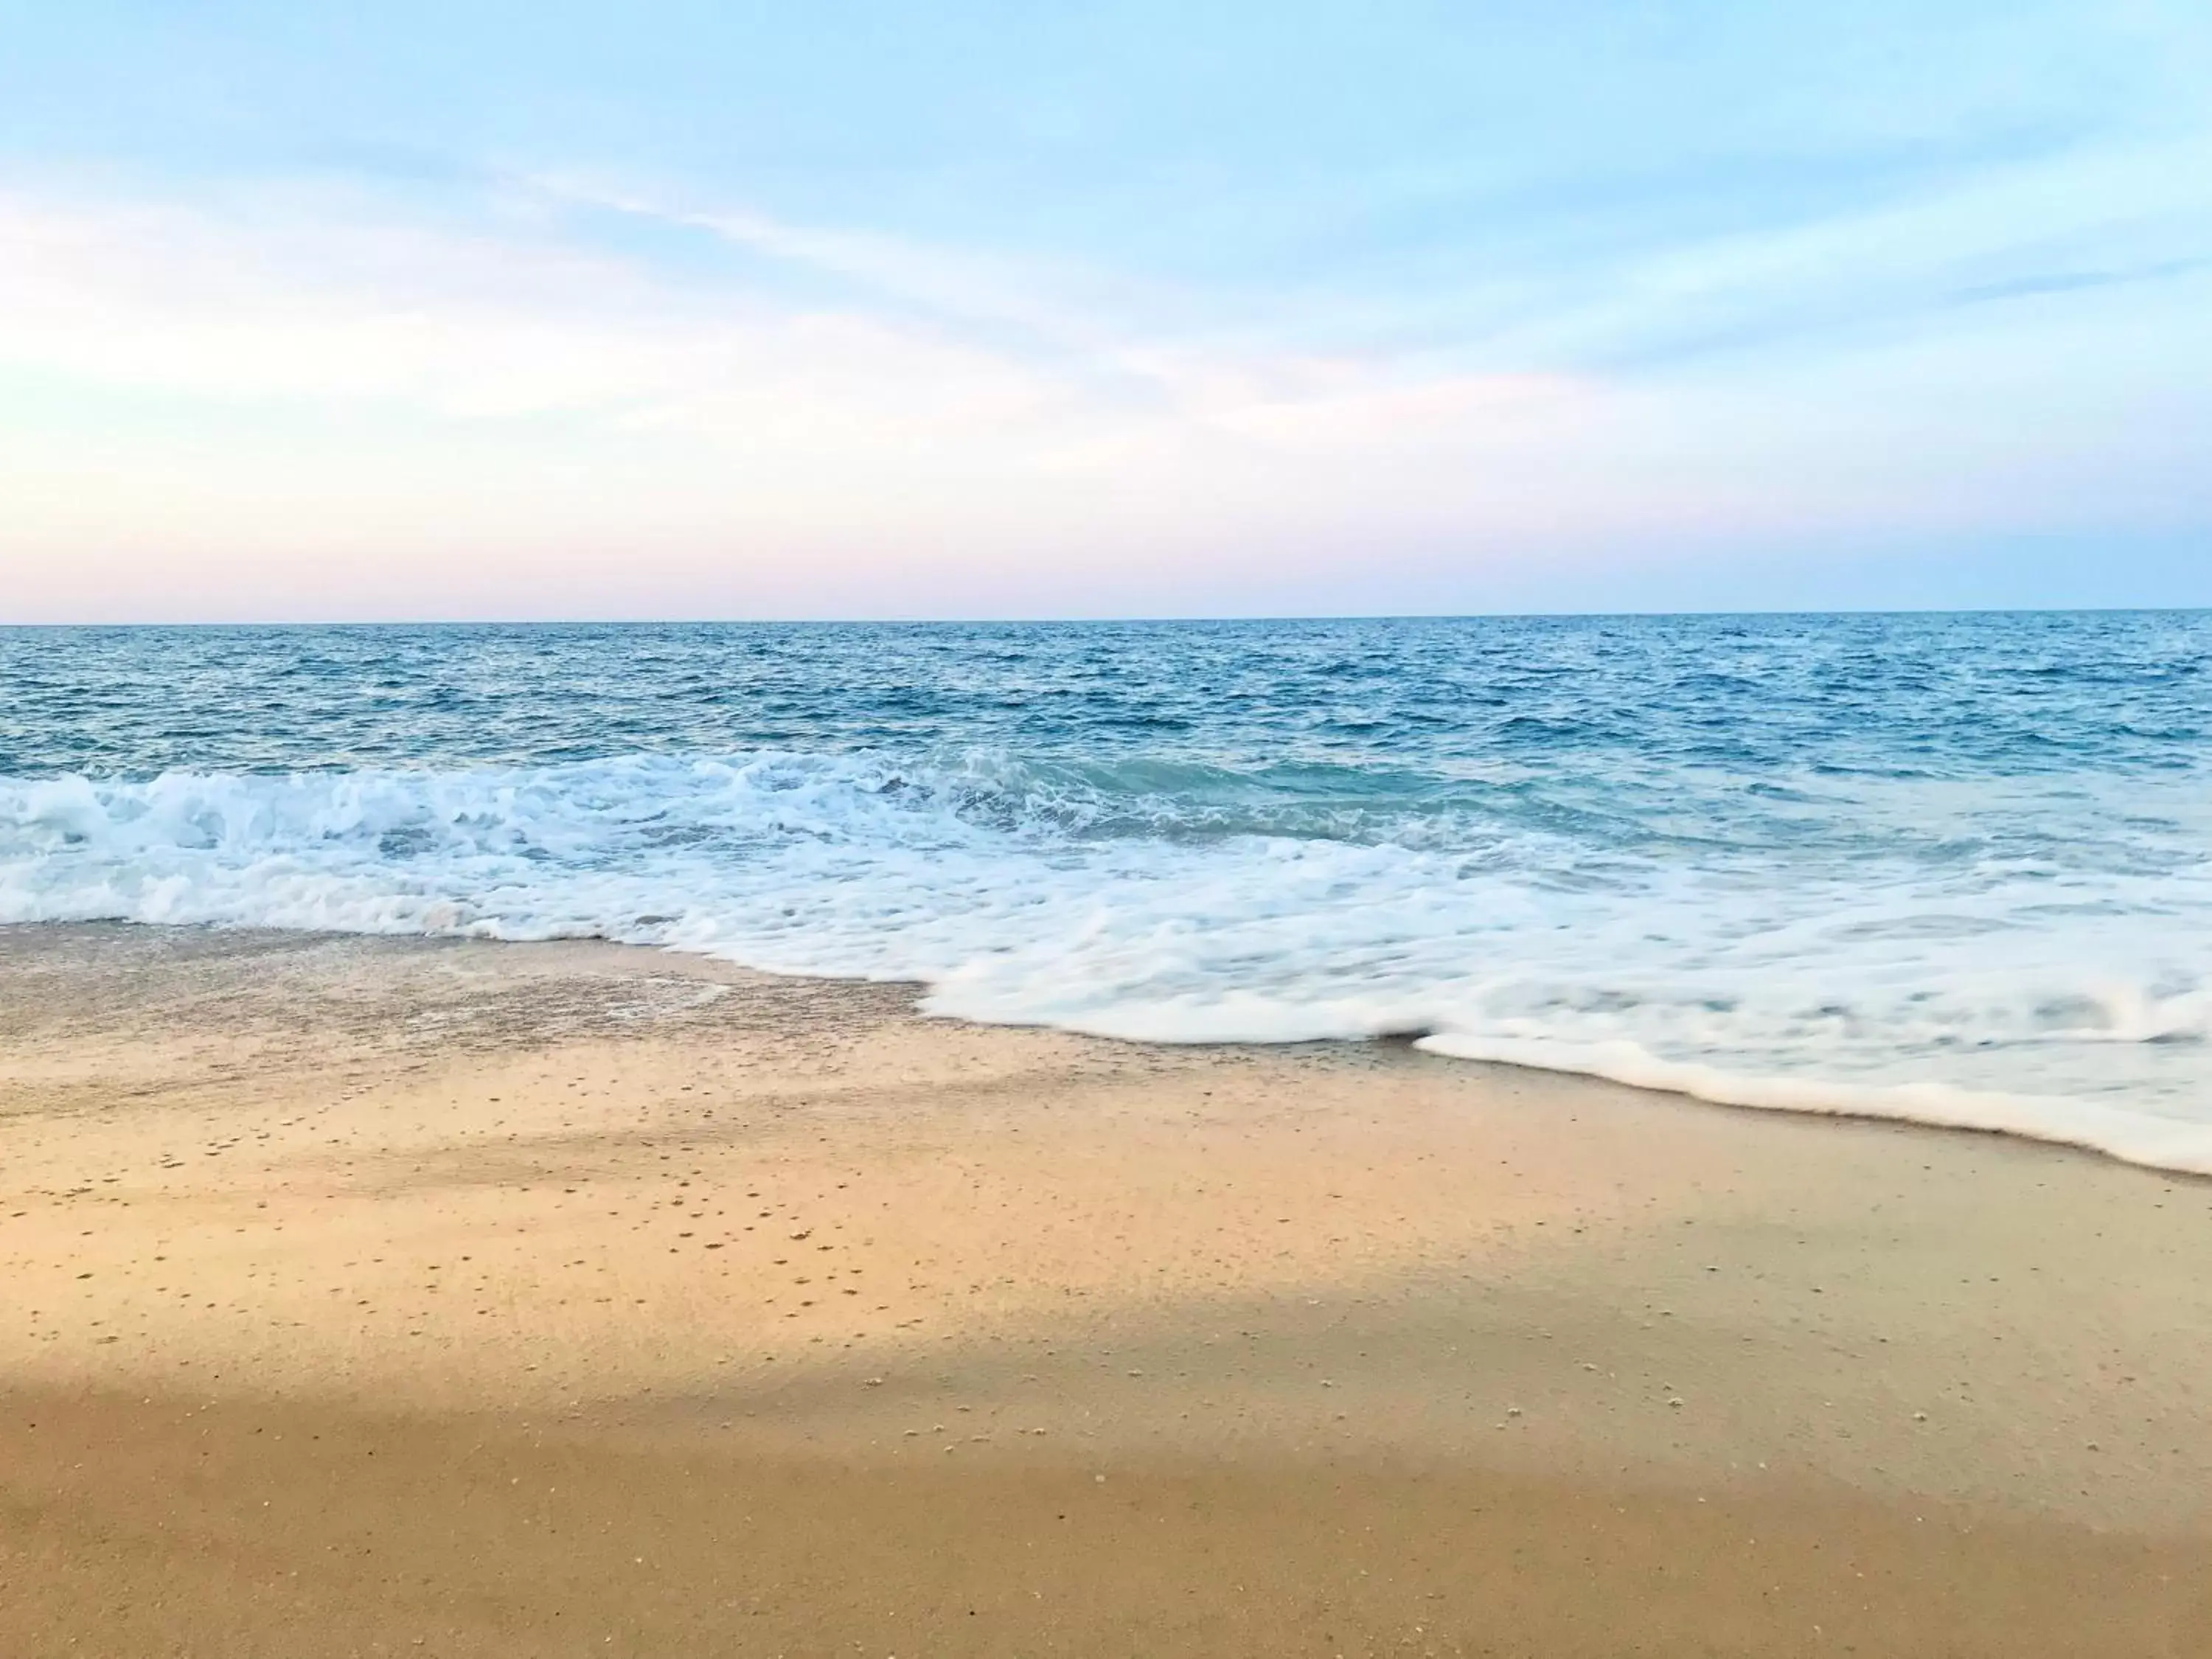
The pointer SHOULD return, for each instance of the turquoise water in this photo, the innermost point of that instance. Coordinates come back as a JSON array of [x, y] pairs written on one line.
[[1950, 867]]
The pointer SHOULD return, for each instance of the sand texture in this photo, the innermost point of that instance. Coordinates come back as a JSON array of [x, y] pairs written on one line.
[[397, 1298]]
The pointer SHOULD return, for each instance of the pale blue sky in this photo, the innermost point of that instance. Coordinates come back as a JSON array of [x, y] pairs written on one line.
[[964, 309]]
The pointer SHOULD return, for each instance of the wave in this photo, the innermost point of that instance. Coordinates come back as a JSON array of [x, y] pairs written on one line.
[[1830, 965], [2130, 1137]]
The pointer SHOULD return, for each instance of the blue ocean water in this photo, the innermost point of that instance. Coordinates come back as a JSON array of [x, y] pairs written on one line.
[[1951, 867]]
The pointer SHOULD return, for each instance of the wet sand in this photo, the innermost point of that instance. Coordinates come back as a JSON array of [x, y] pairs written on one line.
[[365, 1297]]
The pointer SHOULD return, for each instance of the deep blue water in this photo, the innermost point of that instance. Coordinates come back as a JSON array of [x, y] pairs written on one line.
[[1948, 867]]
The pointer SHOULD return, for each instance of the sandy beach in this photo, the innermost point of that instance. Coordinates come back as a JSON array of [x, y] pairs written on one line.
[[392, 1297]]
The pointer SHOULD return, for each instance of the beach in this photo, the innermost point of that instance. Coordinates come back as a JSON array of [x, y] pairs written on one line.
[[393, 1295], [984, 832]]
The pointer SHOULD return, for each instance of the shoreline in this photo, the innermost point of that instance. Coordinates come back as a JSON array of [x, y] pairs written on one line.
[[2172, 1147], [2167, 1147], [675, 1216]]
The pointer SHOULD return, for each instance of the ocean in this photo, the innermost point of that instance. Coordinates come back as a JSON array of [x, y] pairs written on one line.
[[1955, 869]]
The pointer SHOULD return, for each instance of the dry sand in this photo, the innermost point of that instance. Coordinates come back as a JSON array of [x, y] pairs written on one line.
[[405, 1297]]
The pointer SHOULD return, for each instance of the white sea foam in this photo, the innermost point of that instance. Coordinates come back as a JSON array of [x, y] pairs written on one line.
[[2132, 1137], [2059, 1005]]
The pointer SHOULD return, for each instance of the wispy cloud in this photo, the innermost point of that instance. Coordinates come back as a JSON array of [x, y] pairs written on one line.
[[301, 295], [303, 298], [2036, 284]]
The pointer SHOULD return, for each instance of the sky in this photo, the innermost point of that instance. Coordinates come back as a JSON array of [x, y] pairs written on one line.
[[680, 309]]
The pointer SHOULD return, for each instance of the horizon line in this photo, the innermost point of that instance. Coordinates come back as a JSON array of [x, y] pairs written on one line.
[[1161, 620]]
